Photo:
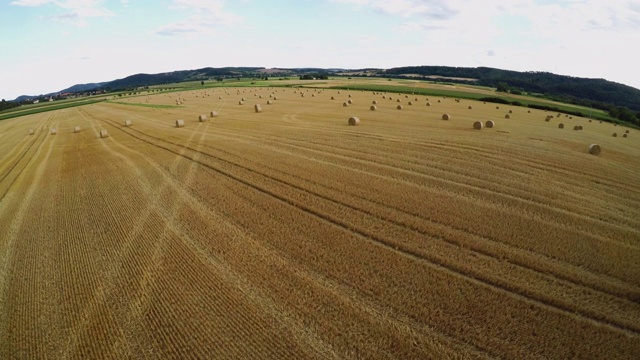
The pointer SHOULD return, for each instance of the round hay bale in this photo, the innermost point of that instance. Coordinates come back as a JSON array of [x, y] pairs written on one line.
[[349, 95], [529, 111], [243, 99], [510, 111], [446, 117], [428, 104], [353, 121], [490, 124], [275, 98], [625, 135], [53, 131], [469, 107], [384, 96], [576, 127], [439, 100], [406, 96], [477, 125], [589, 120], [507, 116], [269, 102], [257, 108], [626, 131], [213, 114], [497, 107], [374, 102], [399, 107], [398, 100], [579, 127], [32, 131], [202, 118], [345, 104], [333, 98], [615, 135], [127, 123], [410, 103], [104, 134], [561, 126], [76, 129], [240, 102], [350, 101], [373, 108], [594, 149], [219, 97], [179, 123]]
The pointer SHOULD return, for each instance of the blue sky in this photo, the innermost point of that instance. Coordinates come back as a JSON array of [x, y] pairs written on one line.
[[48, 45]]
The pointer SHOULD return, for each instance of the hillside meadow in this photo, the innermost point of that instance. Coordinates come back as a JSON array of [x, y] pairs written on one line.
[[287, 233]]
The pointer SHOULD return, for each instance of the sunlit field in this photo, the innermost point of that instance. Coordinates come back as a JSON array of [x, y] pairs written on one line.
[[288, 234]]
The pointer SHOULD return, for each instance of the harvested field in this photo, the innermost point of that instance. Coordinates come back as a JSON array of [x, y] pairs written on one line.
[[291, 235]]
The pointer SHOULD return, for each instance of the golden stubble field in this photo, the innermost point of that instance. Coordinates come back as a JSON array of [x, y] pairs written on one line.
[[288, 234]]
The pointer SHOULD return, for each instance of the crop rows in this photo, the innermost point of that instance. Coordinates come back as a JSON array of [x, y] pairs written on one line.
[[287, 234]]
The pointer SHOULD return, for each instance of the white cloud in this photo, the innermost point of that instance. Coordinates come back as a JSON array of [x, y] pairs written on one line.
[[30, 2], [433, 9], [202, 17], [76, 11]]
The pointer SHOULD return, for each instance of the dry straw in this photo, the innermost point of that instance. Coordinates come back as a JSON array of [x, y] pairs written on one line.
[[179, 123], [490, 124], [353, 121], [595, 149]]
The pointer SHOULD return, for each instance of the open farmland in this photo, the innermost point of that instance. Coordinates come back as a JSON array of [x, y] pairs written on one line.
[[289, 234]]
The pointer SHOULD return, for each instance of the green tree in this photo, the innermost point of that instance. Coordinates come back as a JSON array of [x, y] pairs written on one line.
[[502, 87]]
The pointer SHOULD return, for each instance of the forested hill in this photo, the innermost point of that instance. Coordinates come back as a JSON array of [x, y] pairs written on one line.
[[593, 92], [176, 76]]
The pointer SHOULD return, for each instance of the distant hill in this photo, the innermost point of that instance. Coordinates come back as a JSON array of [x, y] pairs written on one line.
[[177, 76], [589, 92]]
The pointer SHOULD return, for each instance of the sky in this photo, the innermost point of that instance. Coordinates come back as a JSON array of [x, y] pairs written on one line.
[[50, 45]]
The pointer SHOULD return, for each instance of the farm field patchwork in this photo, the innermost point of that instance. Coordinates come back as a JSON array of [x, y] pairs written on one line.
[[288, 233]]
